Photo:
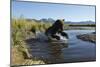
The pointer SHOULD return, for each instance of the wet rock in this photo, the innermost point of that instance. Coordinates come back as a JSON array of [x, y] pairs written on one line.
[[91, 37]]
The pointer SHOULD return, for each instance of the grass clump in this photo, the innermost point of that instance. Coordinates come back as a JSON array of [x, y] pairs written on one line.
[[21, 29]]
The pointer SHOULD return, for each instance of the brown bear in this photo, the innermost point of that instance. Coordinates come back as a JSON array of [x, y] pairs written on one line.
[[56, 28]]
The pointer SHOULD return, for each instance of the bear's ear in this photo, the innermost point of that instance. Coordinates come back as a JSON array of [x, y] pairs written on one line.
[[63, 19]]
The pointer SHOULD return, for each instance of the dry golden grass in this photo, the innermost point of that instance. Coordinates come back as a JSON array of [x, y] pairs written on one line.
[[18, 58], [22, 29]]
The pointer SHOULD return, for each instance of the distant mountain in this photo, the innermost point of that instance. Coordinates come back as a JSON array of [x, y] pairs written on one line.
[[29, 20], [50, 20], [67, 22], [47, 20], [81, 23]]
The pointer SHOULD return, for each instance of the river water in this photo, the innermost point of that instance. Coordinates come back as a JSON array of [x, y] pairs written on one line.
[[75, 50], [79, 50]]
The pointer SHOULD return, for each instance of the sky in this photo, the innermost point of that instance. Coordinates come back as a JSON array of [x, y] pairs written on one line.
[[69, 12]]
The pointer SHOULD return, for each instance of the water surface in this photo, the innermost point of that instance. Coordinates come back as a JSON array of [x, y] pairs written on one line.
[[79, 50], [74, 50]]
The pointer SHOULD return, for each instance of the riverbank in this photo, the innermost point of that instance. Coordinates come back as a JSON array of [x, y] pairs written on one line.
[[21, 56], [91, 37]]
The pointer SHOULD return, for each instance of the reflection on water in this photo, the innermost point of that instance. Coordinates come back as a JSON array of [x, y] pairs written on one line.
[[55, 52]]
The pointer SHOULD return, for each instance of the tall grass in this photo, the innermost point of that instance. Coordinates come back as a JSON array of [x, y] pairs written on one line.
[[20, 30]]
